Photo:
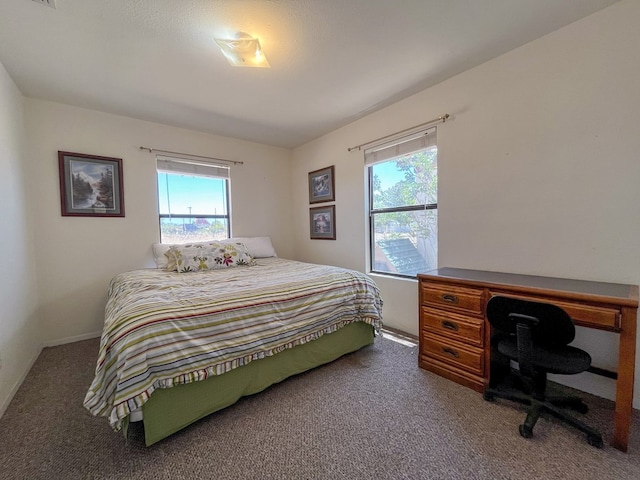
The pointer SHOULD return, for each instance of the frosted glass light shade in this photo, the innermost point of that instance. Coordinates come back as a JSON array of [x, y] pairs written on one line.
[[243, 51]]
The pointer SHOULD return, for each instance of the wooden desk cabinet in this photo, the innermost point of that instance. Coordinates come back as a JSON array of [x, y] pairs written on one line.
[[454, 334]]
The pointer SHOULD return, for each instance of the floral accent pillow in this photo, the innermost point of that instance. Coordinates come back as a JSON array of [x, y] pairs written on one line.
[[170, 253], [208, 256]]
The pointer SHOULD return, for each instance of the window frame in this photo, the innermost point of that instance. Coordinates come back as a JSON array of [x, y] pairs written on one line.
[[227, 194], [372, 212]]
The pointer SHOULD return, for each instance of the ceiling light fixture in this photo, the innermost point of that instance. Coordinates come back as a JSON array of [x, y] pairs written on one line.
[[243, 51]]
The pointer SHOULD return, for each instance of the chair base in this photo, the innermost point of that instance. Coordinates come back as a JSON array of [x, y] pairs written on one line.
[[548, 405]]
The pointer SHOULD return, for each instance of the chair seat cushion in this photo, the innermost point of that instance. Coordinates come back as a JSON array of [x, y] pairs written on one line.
[[563, 360]]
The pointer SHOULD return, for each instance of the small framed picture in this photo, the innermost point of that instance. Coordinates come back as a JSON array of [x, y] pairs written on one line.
[[321, 185], [90, 186], [322, 223]]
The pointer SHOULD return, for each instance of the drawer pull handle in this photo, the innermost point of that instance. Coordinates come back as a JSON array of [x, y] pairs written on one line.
[[451, 352], [449, 298], [449, 325]]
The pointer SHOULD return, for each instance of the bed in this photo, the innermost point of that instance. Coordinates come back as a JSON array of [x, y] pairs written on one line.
[[177, 347]]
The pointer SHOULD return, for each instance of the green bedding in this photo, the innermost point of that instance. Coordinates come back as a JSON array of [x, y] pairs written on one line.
[[172, 409]]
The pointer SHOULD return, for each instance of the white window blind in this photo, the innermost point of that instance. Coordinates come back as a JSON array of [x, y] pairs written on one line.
[[400, 146], [167, 164]]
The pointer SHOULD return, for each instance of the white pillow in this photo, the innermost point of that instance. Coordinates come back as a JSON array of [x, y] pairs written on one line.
[[159, 250], [258, 247]]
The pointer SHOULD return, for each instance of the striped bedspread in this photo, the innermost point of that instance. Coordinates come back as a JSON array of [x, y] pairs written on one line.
[[165, 328]]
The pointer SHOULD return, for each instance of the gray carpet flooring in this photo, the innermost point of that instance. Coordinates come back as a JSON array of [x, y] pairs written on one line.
[[372, 414]]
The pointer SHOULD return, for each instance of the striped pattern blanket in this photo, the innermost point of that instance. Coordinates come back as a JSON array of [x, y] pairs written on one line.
[[166, 328]]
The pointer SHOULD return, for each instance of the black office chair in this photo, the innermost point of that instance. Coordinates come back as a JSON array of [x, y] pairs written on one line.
[[536, 335]]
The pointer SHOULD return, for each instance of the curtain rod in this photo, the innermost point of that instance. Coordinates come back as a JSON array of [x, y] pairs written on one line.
[[151, 150], [441, 118]]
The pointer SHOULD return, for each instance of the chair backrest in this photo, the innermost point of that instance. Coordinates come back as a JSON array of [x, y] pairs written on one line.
[[554, 326]]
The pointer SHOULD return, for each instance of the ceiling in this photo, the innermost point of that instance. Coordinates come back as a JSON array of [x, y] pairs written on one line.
[[332, 61]]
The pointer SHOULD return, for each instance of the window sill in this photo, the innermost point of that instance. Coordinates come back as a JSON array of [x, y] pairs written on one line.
[[392, 277]]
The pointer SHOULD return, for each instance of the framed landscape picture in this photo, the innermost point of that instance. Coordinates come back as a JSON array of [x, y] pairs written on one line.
[[90, 186], [321, 185], [322, 223]]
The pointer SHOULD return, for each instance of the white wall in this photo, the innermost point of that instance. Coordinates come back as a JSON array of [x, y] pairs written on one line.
[[538, 169], [77, 256], [19, 329]]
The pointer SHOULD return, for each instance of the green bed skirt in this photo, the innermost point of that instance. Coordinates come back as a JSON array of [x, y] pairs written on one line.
[[170, 410]]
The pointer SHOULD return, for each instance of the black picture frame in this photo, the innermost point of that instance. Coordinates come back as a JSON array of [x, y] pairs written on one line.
[[90, 185], [322, 185], [322, 223]]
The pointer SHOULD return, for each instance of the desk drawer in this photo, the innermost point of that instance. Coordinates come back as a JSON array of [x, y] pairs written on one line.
[[589, 315], [452, 353], [606, 318], [452, 297], [457, 327], [463, 377]]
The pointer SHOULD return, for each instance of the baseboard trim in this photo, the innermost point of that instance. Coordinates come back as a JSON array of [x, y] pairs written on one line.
[[18, 384], [75, 338], [400, 333]]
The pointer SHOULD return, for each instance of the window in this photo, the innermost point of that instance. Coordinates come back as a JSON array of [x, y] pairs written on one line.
[[403, 205], [193, 200]]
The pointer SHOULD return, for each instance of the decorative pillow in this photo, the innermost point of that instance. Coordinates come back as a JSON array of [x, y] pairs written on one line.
[[258, 247], [170, 257], [209, 256], [160, 251], [167, 262]]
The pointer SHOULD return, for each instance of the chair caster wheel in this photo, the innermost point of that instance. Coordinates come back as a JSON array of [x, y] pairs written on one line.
[[595, 440], [489, 397], [582, 408], [526, 432]]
